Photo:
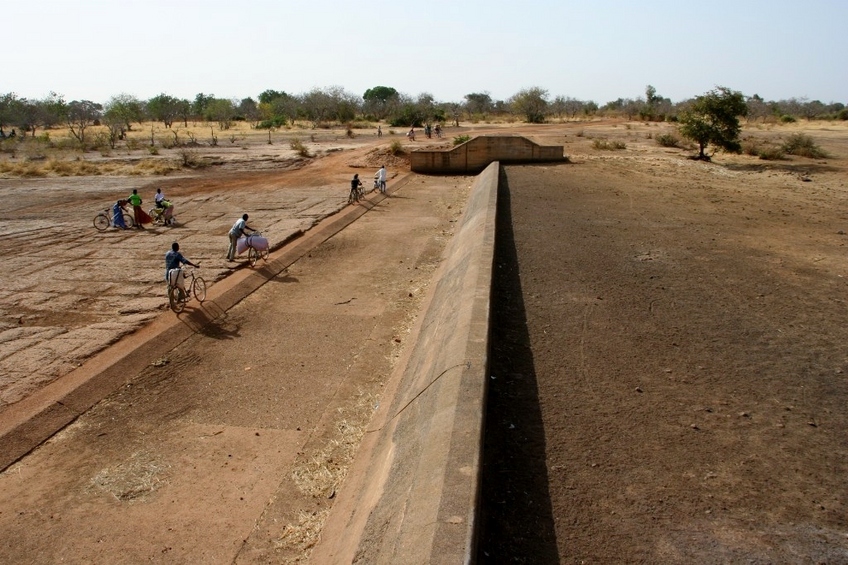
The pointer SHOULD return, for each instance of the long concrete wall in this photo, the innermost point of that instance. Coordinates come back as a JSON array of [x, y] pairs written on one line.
[[476, 154], [412, 494]]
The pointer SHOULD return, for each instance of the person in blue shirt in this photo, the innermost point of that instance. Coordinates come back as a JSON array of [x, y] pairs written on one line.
[[118, 214], [174, 259]]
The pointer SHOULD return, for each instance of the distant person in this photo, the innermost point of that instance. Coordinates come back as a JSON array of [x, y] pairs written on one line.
[[438, 130], [379, 131], [381, 179], [427, 131], [139, 215], [174, 260], [159, 198], [118, 209], [411, 134], [239, 229]]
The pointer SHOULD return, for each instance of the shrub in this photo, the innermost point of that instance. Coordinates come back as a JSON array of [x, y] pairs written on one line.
[[189, 157], [460, 139], [787, 119], [396, 147], [667, 140], [605, 145], [298, 146], [843, 114], [771, 153], [803, 146]]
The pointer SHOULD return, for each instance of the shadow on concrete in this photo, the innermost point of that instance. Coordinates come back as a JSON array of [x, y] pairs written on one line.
[[284, 278], [517, 520]]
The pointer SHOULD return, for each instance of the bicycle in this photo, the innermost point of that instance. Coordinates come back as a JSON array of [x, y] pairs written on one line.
[[254, 254], [356, 194], [163, 216], [179, 295], [105, 220]]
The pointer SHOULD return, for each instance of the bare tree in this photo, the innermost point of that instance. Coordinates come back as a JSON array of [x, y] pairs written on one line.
[[80, 115]]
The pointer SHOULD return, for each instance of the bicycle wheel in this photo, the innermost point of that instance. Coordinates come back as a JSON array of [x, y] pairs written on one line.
[[253, 256], [176, 298], [157, 217], [199, 289], [264, 254], [128, 220], [351, 196], [101, 222]]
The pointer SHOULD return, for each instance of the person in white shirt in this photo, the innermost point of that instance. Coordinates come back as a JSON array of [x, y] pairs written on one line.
[[381, 178], [157, 200]]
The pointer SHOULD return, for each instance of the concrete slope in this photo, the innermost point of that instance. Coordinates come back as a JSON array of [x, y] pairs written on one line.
[[413, 493]]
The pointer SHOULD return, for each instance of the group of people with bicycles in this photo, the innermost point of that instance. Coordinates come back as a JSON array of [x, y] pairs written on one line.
[[356, 190], [174, 261], [162, 212]]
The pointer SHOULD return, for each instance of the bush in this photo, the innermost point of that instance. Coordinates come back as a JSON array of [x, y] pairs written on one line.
[[396, 147], [787, 119], [297, 145], [668, 140], [275, 122], [771, 153], [189, 157], [803, 146], [605, 145], [843, 114], [460, 139]]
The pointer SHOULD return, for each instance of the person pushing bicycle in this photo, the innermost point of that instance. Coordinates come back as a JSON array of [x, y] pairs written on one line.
[[174, 260]]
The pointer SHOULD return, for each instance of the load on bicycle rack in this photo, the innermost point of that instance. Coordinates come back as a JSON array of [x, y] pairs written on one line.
[[256, 246]]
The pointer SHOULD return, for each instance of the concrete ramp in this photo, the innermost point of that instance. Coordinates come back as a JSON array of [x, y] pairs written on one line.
[[412, 493]]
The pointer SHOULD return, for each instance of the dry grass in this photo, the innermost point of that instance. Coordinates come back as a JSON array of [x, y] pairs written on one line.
[[132, 480]]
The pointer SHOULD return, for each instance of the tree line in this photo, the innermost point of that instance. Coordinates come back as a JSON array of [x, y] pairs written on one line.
[[325, 106]]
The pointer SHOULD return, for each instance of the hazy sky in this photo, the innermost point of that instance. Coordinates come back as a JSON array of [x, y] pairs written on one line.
[[596, 50]]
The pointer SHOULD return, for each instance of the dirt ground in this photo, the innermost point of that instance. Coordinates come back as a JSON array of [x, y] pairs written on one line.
[[668, 365]]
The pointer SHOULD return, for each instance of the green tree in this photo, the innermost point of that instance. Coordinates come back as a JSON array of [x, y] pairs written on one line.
[[163, 108], [124, 109], [379, 101], [713, 119], [478, 103], [220, 110], [268, 96], [201, 103], [532, 103]]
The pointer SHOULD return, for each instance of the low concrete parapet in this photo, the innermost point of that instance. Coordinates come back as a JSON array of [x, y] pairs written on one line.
[[476, 154], [412, 494]]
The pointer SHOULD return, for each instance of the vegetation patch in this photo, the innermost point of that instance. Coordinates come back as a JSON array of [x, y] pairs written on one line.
[[803, 146], [606, 145]]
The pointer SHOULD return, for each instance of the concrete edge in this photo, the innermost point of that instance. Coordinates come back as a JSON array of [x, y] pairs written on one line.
[[412, 494], [28, 423]]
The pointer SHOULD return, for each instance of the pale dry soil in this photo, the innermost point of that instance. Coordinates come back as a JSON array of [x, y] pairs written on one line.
[[668, 380]]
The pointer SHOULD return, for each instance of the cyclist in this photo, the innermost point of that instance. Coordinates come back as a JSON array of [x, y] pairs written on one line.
[[173, 262], [355, 184]]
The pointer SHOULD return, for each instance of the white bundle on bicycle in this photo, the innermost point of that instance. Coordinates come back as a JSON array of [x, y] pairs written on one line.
[[176, 278], [255, 241]]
